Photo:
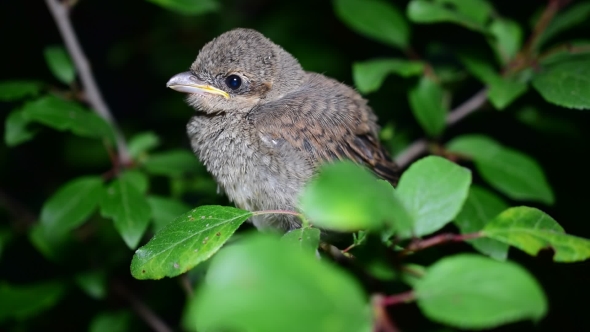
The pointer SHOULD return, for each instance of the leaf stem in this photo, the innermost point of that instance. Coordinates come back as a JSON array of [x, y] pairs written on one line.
[[400, 298], [421, 244]]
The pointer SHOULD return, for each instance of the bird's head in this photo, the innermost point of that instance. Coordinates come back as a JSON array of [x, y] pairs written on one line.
[[236, 71]]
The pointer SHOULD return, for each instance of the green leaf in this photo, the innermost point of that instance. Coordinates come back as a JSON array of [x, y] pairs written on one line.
[[473, 292], [305, 238], [129, 209], [72, 204], [51, 244], [566, 83], [424, 11], [165, 210], [24, 301], [189, 7], [346, 197], [481, 207], [111, 322], [187, 241], [574, 15], [257, 284], [93, 283], [137, 178], [171, 163], [507, 38], [142, 143], [511, 172], [18, 89], [16, 131], [531, 230], [375, 19], [428, 105], [369, 75], [433, 190], [60, 64], [549, 123]]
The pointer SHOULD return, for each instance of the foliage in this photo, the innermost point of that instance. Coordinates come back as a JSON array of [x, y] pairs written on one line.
[[94, 212]]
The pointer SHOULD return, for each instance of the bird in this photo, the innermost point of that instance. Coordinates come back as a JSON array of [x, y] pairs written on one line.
[[263, 126]]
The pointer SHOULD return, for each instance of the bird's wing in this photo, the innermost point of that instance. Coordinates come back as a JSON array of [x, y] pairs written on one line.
[[326, 122]]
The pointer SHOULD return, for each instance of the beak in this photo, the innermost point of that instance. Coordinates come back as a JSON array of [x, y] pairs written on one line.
[[186, 82]]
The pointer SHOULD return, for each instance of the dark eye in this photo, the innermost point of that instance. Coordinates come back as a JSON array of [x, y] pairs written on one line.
[[233, 81]]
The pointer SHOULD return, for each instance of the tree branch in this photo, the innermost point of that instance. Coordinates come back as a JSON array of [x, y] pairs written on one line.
[[143, 311], [60, 13]]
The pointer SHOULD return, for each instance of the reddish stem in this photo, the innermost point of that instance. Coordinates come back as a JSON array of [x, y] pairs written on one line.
[[420, 244], [400, 298]]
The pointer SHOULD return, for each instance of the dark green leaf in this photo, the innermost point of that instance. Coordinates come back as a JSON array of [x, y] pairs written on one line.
[[433, 190], [142, 143], [574, 15], [531, 230], [549, 123], [375, 19], [129, 209], [52, 244], [507, 38], [17, 89], [93, 283], [511, 172], [188, 7], [24, 301], [137, 178], [165, 210], [428, 106], [473, 292], [347, 197], [477, 10], [187, 241], [111, 322], [425, 11], [566, 83], [257, 284], [16, 131], [369, 75], [171, 163], [60, 64], [481, 207], [304, 238], [72, 204]]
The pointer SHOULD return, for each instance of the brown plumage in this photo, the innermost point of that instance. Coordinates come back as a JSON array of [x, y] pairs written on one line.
[[263, 125]]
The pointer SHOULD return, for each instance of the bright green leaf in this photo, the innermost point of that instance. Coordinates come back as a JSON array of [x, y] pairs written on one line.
[[187, 241], [72, 204], [27, 300], [574, 15], [189, 7], [60, 64], [129, 209], [165, 210], [171, 163], [375, 19], [18, 89], [142, 143], [369, 75], [474, 292], [425, 11], [257, 284], [531, 230], [481, 207], [433, 190], [111, 322], [346, 197], [304, 238], [137, 178], [477, 10], [515, 174], [428, 105], [16, 131], [507, 38], [565, 83], [93, 283]]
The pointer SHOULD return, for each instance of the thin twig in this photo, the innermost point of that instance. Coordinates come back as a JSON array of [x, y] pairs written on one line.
[[143, 311], [60, 13], [420, 244], [400, 298]]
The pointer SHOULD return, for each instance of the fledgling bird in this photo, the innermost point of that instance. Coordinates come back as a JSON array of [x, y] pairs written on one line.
[[263, 125]]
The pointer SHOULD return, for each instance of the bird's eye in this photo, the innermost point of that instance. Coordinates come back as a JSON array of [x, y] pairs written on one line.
[[233, 81]]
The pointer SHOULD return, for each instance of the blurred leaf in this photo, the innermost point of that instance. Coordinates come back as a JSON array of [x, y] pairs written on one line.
[[72, 204], [532, 230], [425, 11], [137, 178], [165, 210], [142, 143], [369, 75], [305, 238], [574, 15], [127, 206], [375, 19], [477, 10], [473, 292], [565, 51], [25, 301], [508, 38], [60, 64], [257, 284], [171, 163], [547, 123], [480, 208], [16, 131], [565, 83], [94, 283], [52, 244], [428, 106], [18, 89], [513, 173], [111, 322], [346, 197], [187, 241], [433, 190], [188, 7]]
